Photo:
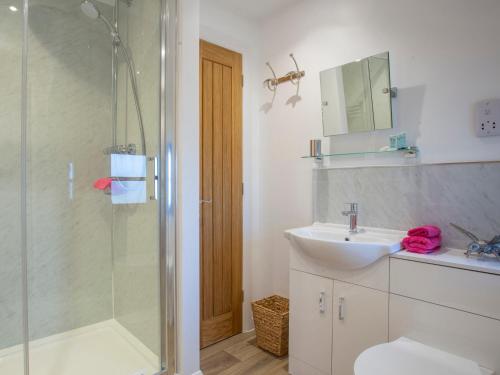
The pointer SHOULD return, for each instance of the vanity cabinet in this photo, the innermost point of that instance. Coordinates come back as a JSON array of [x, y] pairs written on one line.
[[360, 322], [449, 302], [332, 322], [311, 321], [338, 308]]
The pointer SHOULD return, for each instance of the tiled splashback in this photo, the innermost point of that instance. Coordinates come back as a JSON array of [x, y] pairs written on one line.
[[467, 194]]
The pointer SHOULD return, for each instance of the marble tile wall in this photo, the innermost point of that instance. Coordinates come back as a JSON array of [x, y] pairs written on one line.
[[467, 194]]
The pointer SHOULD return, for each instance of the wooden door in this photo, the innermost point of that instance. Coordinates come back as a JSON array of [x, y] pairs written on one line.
[[221, 193]]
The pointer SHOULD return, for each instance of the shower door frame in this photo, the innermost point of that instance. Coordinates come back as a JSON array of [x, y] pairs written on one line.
[[167, 182], [167, 185]]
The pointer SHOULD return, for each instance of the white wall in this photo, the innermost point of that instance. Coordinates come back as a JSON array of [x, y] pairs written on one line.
[[444, 58], [188, 298], [231, 31]]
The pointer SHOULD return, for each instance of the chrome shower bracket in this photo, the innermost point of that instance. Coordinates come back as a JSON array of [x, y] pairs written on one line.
[[130, 149]]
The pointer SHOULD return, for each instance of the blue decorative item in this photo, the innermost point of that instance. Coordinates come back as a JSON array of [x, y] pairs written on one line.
[[401, 141], [394, 142]]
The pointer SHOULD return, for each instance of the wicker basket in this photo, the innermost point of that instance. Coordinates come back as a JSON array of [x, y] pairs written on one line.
[[270, 316]]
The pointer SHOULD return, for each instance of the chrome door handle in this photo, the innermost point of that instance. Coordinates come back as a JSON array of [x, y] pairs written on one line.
[[206, 202], [71, 180], [322, 304], [341, 308], [154, 196]]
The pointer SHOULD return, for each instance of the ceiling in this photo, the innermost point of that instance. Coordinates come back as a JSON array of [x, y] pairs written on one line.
[[256, 9]]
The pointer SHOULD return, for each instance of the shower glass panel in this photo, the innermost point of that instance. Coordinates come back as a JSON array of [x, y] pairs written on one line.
[[83, 262], [135, 228], [11, 265], [93, 241]]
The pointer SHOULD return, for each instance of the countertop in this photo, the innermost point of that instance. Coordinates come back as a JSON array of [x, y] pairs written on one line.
[[453, 258]]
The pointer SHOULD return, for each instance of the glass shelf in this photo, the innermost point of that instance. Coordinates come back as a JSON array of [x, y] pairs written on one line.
[[408, 152]]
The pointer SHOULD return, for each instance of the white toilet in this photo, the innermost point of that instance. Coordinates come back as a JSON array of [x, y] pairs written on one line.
[[408, 357]]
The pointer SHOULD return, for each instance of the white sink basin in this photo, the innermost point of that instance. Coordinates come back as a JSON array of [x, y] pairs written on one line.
[[335, 246]]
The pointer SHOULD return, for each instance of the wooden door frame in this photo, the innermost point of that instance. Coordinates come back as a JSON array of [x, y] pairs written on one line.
[[228, 58]]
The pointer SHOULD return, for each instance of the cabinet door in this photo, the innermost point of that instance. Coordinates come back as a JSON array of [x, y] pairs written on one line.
[[360, 321], [311, 318]]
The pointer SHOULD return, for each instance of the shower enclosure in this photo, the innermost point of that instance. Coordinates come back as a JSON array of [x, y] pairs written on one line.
[[87, 178]]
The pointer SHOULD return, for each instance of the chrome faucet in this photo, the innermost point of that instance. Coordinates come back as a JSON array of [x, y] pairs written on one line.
[[353, 217]]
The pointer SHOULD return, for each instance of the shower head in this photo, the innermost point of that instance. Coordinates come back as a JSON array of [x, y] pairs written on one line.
[[90, 10]]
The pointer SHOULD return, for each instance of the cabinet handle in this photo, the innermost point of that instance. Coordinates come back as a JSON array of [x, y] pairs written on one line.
[[322, 307], [341, 308]]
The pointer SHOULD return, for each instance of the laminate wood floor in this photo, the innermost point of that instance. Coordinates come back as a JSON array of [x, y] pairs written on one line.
[[240, 355]]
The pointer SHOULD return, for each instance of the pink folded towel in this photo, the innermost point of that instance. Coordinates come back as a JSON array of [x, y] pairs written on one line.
[[428, 231], [103, 183], [421, 245]]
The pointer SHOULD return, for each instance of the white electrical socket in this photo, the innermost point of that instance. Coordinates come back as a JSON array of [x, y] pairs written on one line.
[[487, 123]]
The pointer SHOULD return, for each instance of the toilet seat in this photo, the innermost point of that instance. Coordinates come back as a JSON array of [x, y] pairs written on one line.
[[405, 356]]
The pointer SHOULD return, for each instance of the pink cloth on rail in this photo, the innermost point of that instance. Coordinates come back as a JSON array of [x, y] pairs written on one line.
[[425, 231], [422, 245], [103, 183]]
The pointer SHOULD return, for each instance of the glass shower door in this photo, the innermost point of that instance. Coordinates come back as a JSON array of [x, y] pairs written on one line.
[[135, 226], [11, 247], [87, 187], [93, 144]]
